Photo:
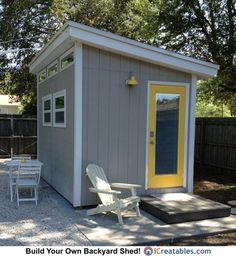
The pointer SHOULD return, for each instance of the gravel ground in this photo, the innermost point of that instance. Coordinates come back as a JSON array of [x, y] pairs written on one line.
[[52, 222]]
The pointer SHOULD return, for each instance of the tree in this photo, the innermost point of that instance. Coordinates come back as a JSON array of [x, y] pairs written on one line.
[[211, 97], [211, 103], [204, 29], [129, 18], [204, 109], [27, 25], [200, 28]]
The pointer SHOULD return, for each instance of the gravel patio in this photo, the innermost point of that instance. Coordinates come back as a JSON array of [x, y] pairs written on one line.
[[52, 222]]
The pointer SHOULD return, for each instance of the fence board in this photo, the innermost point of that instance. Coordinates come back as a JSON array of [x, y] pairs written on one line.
[[18, 135], [24, 127], [215, 143], [5, 127]]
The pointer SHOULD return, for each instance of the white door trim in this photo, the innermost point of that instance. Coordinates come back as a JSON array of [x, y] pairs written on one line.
[[187, 102], [191, 134]]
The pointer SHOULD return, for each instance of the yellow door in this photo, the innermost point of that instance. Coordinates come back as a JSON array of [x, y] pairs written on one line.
[[166, 136]]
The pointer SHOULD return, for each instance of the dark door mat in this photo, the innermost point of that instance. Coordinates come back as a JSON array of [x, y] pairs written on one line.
[[183, 208]]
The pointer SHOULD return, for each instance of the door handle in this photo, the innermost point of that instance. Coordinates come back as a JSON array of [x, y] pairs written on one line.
[[151, 134], [152, 142]]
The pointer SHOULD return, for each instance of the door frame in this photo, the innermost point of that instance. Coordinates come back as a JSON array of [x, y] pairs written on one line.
[[187, 88]]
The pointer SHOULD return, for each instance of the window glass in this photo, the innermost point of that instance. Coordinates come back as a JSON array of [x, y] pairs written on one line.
[[166, 146], [47, 104], [67, 60], [47, 117], [60, 117], [47, 110], [60, 102], [42, 76], [52, 70], [59, 109]]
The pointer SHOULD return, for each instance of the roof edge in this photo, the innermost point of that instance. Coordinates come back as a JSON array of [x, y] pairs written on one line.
[[122, 39], [126, 46]]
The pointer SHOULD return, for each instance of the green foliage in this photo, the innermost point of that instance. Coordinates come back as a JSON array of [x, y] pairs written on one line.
[[204, 29], [25, 24], [199, 28], [206, 109], [129, 18], [210, 95], [36, 21]]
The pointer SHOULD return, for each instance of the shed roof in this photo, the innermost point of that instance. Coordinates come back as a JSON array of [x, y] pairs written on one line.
[[73, 32]]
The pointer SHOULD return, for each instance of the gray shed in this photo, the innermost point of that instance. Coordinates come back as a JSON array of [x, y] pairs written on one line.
[[124, 105]]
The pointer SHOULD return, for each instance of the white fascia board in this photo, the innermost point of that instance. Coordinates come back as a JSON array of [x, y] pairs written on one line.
[[131, 48], [73, 31]]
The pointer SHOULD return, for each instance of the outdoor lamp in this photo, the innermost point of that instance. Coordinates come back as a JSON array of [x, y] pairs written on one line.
[[132, 82]]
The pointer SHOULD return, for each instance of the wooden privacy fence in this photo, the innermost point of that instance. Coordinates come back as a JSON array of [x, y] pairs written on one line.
[[215, 143], [18, 135], [215, 139]]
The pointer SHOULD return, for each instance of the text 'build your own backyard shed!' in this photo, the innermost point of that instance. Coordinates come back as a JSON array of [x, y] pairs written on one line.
[[89, 113]]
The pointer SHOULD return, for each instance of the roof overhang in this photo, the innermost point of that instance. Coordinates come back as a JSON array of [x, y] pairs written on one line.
[[73, 32]]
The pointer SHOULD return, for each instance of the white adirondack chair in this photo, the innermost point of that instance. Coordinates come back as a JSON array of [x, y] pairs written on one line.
[[108, 197]]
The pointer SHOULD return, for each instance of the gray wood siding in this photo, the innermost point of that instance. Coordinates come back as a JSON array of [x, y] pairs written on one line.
[[114, 116], [56, 145]]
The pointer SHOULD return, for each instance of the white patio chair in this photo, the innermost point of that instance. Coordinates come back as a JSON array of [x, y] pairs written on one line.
[[28, 177], [12, 175], [21, 157], [108, 197]]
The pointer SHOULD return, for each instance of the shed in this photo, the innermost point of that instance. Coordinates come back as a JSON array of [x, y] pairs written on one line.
[[124, 105]]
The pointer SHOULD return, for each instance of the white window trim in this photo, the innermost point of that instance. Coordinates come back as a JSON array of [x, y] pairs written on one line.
[[56, 95], [63, 56], [44, 70], [49, 66], [45, 98]]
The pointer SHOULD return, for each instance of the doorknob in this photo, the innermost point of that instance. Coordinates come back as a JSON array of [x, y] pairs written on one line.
[[151, 134], [152, 142]]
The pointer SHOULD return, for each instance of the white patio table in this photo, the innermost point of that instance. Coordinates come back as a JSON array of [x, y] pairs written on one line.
[[13, 165]]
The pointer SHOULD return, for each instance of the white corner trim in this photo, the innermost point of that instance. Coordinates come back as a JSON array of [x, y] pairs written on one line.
[[38, 153], [191, 134], [45, 98], [187, 120], [78, 72], [56, 95], [187, 102]]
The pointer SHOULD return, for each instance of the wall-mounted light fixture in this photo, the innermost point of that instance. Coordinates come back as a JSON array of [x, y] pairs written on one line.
[[132, 82]]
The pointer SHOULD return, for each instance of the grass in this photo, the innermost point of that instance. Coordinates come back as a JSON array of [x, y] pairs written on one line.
[[220, 187]]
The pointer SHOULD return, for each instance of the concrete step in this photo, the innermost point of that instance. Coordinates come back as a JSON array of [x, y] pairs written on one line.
[[182, 207]]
